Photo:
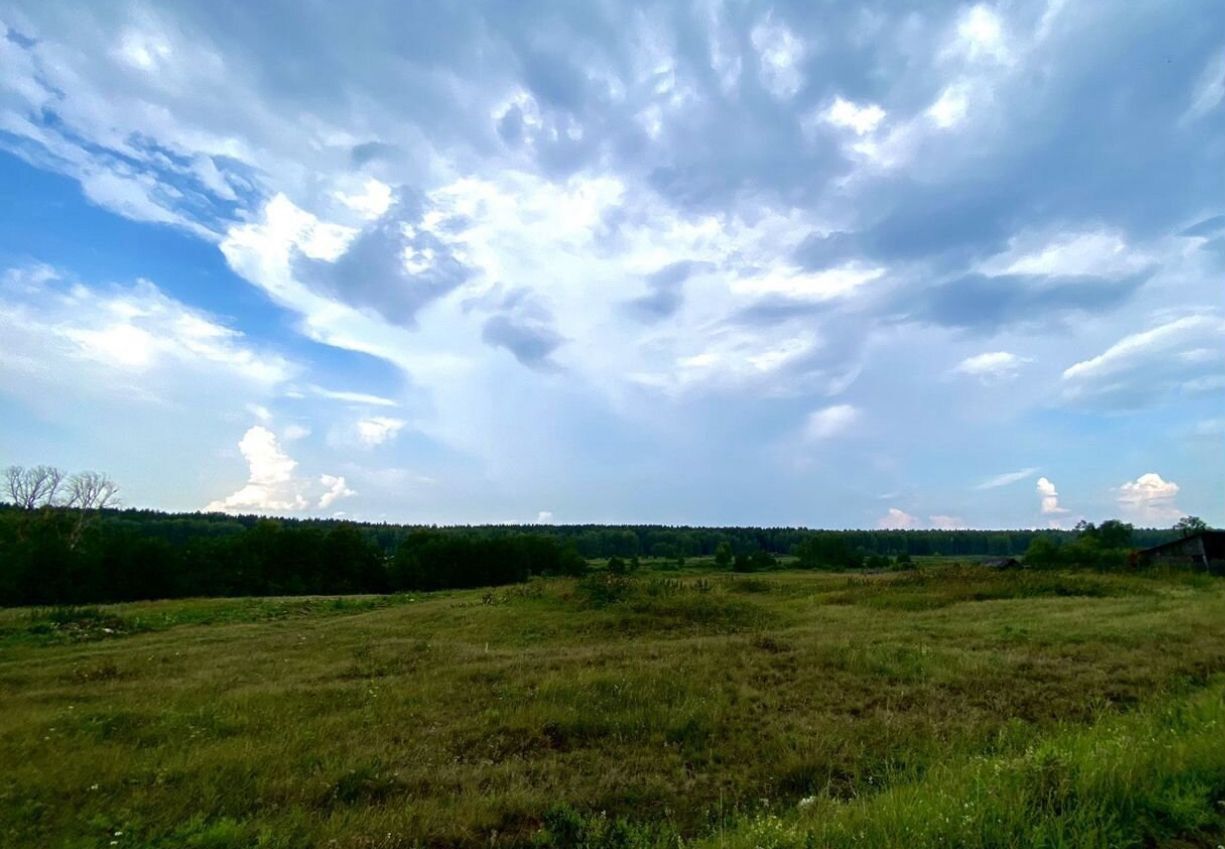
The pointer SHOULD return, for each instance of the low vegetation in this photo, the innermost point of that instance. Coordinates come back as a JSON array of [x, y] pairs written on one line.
[[937, 706]]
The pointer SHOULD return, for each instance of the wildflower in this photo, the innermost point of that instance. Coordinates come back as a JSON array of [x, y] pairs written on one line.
[[805, 802]]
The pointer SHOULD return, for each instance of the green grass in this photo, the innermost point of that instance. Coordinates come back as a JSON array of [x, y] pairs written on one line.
[[953, 706]]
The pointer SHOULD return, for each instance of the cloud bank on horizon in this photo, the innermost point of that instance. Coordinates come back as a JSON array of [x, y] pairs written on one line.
[[713, 263]]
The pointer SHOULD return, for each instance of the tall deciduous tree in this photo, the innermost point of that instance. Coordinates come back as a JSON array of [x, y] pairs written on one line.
[[33, 488]]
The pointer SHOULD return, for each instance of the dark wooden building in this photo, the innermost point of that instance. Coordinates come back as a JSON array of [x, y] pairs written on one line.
[[1204, 550]]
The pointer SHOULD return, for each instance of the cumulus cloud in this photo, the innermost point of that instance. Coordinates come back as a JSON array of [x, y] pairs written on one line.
[[993, 366], [271, 485], [1050, 498], [376, 430], [336, 489], [830, 421], [859, 119], [947, 523], [897, 520], [1149, 499]]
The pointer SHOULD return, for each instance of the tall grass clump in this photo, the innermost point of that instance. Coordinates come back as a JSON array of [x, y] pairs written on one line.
[[1140, 779]]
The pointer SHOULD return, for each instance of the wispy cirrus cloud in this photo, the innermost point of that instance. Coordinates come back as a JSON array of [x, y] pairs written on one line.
[[1007, 478]]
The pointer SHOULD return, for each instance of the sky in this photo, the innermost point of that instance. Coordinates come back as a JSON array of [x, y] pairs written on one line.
[[893, 265]]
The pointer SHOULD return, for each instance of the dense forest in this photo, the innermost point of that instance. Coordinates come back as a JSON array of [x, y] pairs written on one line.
[[69, 546]]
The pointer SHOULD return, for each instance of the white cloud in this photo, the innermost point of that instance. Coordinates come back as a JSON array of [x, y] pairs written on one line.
[[294, 432], [123, 340], [1142, 367], [371, 201], [947, 523], [378, 429], [810, 285], [780, 53], [1050, 498], [951, 108], [1209, 90], [158, 120], [271, 485], [1007, 478], [1165, 338], [980, 35], [897, 520], [1208, 428], [1150, 499], [992, 366], [260, 412], [1089, 253], [336, 490], [860, 119], [352, 397], [544, 517], [830, 421]]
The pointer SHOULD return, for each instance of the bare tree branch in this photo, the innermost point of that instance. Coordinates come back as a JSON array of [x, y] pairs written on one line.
[[33, 488], [91, 491], [88, 492]]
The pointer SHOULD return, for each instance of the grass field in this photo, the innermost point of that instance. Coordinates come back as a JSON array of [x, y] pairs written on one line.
[[948, 707]]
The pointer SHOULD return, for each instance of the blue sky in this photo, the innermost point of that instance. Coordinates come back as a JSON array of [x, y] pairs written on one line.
[[849, 265]]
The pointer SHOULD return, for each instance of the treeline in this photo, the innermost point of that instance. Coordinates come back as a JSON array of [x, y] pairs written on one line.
[[45, 559], [62, 540], [64, 554], [600, 542]]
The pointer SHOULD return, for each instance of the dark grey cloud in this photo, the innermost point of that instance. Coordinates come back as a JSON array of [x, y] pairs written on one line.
[[372, 273], [531, 343], [983, 303], [773, 310], [822, 250], [510, 126], [370, 151], [521, 324], [666, 290]]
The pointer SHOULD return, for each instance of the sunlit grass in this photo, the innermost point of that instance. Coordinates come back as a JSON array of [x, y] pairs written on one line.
[[672, 705]]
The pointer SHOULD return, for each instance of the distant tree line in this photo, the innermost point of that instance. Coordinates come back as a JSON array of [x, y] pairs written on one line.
[[59, 546], [42, 561], [63, 539], [600, 542]]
